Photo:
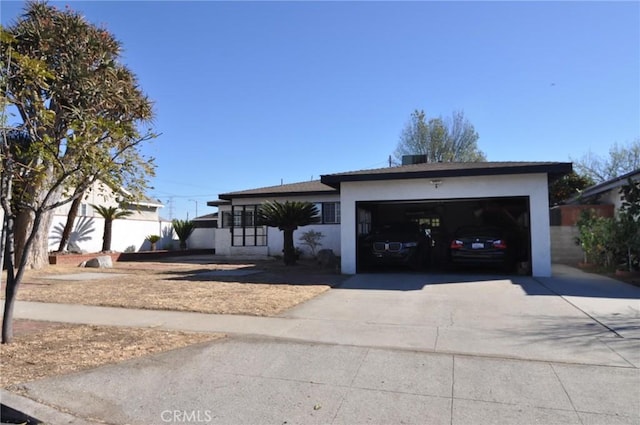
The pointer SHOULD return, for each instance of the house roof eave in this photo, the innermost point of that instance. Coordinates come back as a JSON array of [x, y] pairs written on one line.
[[442, 170]]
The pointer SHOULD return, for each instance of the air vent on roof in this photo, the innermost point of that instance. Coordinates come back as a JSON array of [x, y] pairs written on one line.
[[413, 159]]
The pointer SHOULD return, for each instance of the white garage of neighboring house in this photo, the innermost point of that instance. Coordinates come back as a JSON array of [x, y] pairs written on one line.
[[445, 196]]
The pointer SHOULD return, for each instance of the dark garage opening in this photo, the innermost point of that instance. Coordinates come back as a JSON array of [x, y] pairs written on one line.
[[418, 234]]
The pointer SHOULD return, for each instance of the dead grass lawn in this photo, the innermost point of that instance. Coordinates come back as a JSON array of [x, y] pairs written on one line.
[[184, 287], [42, 349]]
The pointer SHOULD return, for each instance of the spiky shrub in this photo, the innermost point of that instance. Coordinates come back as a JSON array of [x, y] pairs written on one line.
[[183, 229], [288, 216], [153, 240]]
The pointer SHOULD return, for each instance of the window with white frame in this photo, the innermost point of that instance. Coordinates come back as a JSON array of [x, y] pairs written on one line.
[[331, 212], [328, 212]]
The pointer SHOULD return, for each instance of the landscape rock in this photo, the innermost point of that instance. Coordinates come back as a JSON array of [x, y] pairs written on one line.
[[101, 262], [327, 259]]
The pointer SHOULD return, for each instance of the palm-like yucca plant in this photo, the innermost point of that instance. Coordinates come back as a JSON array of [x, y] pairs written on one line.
[[183, 229], [153, 240], [109, 214], [288, 216]]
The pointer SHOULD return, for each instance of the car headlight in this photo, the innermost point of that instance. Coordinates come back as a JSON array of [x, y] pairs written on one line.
[[410, 244]]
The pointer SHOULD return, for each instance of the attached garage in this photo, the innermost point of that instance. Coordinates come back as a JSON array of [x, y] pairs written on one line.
[[442, 198]]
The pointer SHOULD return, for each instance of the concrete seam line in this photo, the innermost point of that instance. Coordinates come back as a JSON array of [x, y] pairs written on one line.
[[578, 308], [553, 369]]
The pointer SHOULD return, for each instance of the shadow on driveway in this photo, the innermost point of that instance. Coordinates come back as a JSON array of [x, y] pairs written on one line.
[[567, 281]]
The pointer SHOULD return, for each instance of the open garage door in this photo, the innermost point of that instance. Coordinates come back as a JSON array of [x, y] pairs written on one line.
[[484, 234]]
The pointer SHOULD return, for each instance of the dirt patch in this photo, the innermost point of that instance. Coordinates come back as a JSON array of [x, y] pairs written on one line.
[[43, 349], [270, 289]]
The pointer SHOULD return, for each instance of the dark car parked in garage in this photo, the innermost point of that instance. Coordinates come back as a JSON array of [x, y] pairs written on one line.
[[482, 245], [398, 243]]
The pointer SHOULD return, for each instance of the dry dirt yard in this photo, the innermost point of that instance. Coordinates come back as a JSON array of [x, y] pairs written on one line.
[[265, 288], [42, 349]]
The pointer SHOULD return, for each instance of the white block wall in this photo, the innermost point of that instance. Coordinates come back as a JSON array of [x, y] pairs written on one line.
[[202, 238], [125, 233]]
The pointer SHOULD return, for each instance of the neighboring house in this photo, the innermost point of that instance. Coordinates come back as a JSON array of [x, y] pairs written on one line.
[[603, 198], [128, 233], [605, 193], [443, 196]]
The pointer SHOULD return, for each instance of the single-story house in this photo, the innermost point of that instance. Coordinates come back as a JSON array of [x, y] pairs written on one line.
[[605, 193], [603, 199], [443, 196], [128, 233], [240, 234]]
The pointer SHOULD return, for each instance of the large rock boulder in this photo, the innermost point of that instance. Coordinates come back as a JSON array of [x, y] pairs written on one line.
[[101, 262]]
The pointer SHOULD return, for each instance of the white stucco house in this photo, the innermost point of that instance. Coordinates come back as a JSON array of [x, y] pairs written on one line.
[[443, 196], [128, 233], [239, 233]]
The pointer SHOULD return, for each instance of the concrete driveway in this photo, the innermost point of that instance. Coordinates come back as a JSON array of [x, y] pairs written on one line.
[[572, 317], [382, 349]]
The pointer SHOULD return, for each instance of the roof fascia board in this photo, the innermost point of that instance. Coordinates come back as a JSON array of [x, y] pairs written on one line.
[[608, 185], [230, 196], [334, 180]]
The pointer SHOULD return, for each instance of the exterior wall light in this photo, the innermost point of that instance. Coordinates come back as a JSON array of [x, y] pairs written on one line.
[[436, 183]]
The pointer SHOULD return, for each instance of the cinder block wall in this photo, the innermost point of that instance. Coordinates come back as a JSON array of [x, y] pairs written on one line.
[[563, 247]]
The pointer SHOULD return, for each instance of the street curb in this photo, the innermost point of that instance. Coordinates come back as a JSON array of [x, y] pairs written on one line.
[[42, 414]]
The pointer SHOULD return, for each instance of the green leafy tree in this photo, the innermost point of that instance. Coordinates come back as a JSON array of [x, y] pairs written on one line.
[[109, 214], [81, 111], [567, 186], [628, 223], [441, 140], [288, 216], [184, 229], [623, 158]]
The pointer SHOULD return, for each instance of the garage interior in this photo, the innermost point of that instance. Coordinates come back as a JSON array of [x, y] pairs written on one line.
[[441, 218]]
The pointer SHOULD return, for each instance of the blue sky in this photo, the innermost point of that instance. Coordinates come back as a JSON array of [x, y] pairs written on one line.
[[249, 94]]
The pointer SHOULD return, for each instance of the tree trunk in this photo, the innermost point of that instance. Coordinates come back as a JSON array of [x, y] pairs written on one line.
[[68, 227], [289, 249], [106, 237], [15, 270], [38, 253], [11, 285]]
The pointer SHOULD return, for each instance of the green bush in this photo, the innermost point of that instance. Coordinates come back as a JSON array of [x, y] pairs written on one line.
[[613, 242], [183, 229]]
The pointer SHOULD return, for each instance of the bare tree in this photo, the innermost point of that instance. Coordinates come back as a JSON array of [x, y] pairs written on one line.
[[623, 158]]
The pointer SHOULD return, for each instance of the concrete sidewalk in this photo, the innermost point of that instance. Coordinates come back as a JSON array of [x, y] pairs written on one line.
[[380, 349]]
